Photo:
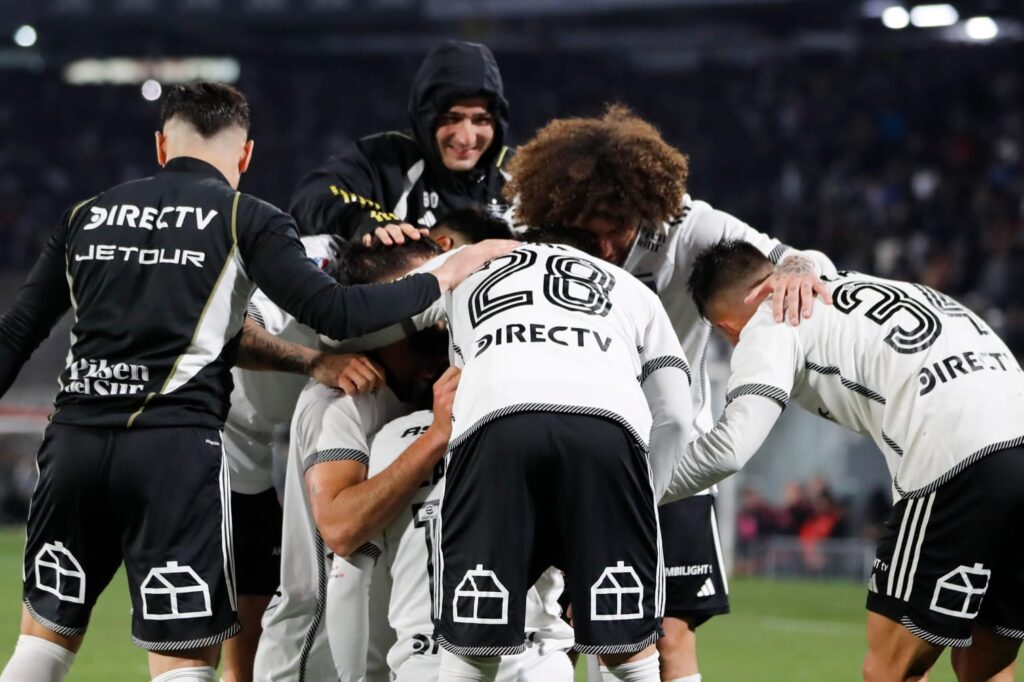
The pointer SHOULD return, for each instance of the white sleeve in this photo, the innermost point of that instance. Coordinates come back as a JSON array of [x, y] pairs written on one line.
[[396, 332], [268, 315], [710, 226], [347, 614], [764, 366], [341, 436], [665, 378]]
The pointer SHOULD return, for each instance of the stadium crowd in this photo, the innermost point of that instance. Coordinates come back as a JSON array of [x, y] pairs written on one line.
[[886, 158]]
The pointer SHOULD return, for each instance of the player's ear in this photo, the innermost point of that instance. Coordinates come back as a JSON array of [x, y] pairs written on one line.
[[444, 241], [729, 329], [246, 158], [161, 149]]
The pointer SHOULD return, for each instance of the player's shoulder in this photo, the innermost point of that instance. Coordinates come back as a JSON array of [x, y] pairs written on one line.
[[389, 147], [762, 327]]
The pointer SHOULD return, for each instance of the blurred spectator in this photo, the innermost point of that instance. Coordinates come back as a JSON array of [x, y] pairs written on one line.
[[906, 165]]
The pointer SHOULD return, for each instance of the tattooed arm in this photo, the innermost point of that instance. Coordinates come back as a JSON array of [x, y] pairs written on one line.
[[261, 350]]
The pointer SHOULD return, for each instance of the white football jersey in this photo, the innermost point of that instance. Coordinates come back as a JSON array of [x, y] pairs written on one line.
[[407, 547], [548, 327], [328, 426], [924, 377], [262, 400], [662, 257]]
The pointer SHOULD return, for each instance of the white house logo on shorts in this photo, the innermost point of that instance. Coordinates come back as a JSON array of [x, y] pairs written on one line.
[[959, 592], [480, 598], [174, 592], [617, 594], [59, 573]]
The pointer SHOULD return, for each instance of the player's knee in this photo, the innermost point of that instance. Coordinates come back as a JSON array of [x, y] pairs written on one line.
[[468, 668], [37, 659], [200, 674], [644, 669]]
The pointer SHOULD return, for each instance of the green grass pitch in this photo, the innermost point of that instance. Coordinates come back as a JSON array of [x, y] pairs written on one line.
[[779, 631]]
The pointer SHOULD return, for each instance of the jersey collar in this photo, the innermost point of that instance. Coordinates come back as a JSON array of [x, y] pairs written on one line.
[[188, 164]]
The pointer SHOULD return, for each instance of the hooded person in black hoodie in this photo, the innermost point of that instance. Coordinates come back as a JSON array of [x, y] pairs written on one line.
[[394, 184]]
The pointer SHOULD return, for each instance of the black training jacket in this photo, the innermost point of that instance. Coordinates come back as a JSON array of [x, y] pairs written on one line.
[[399, 176], [158, 273]]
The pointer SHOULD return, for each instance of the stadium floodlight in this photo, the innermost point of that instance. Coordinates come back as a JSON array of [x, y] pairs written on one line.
[[25, 36], [981, 28], [135, 71], [895, 17], [933, 16], [151, 90]]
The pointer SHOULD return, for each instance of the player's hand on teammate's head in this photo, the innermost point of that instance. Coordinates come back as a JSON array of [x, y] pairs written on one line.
[[469, 259], [793, 287], [353, 374], [393, 234], [444, 397]]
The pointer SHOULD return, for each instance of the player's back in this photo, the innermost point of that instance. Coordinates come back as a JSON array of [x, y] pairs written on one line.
[[158, 292], [550, 328], [925, 377]]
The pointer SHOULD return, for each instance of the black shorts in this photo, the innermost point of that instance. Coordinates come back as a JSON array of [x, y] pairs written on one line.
[[696, 587], [536, 489], [953, 558], [256, 521], [153, 498]]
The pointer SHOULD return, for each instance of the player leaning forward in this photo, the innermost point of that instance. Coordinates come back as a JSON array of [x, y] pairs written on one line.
[[158, 273], [615, 177], [570, 370], [942, 397]]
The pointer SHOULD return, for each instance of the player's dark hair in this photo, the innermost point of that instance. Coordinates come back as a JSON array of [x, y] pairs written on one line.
[[723, 265], [616, 167], [209, 107], [554, 234], [475, 225], [379, 263]]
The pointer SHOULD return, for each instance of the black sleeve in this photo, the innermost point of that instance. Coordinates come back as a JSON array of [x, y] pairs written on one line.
[[276, 261], [41, 301], [341, 197]]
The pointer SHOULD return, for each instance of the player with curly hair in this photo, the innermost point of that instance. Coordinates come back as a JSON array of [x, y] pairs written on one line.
[[615, 177]]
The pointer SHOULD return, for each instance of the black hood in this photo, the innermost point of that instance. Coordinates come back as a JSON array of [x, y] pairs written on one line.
[[452, 71]]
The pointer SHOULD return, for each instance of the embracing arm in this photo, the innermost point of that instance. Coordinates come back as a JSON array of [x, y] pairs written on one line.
[[276, 261], [350, 509], [342, 196], [260, 350], [724, 450]]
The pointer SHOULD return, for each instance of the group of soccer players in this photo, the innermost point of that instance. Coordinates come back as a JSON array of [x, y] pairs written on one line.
[[505, 452]]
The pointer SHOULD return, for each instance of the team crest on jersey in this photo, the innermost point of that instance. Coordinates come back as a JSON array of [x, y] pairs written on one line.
[[174, 592], [617, 595], [480, 598], [959, 592], [59, 573]]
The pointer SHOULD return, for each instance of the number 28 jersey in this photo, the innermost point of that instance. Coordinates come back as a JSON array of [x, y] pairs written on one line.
[[925, 378], [551, 328]]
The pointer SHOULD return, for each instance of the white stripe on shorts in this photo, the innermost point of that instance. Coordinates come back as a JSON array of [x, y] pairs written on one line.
[[226, 527], [718, 549], [917, 547]]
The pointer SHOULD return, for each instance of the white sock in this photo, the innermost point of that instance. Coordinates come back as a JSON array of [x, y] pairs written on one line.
[[689, 678], [455, 668], [37, 660], [606, 675], [203, 674], [643, 670]]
